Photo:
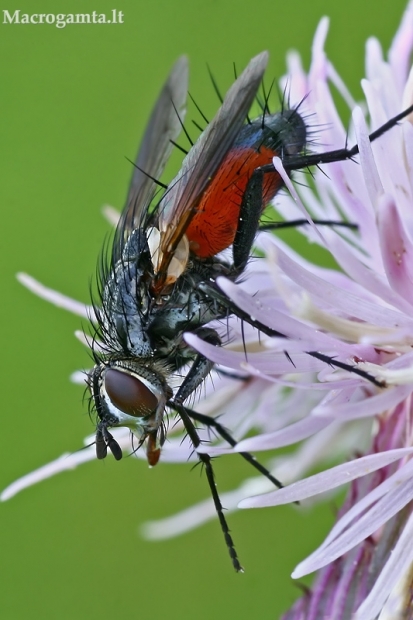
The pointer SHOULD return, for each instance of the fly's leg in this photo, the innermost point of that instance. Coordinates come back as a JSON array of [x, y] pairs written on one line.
[[105, 440], [251, 205], [198, 372], [249, 217], [213, 291], [304, 222], [298, 162], [250, 214], [200, 368], [223, 432], [207, 462]]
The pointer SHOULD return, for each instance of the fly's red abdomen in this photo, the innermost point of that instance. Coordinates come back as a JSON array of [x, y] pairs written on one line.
[[214, 226]]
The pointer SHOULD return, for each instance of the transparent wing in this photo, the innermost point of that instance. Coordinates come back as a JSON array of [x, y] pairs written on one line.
[[164, 125], [181, 199]]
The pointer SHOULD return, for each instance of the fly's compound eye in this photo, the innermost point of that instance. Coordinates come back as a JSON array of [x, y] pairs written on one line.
[[129, 394]]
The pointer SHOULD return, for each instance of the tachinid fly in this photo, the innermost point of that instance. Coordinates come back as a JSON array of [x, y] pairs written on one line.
[[160, 281]]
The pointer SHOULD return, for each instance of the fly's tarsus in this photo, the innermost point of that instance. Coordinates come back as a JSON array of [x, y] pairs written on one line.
[[105, 440], [332, 361]]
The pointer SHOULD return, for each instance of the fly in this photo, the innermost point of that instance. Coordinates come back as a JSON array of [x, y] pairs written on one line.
[[160, 281]]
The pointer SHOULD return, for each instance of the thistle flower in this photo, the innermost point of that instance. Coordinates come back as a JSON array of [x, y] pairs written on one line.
[[365, 308], [361, 314]]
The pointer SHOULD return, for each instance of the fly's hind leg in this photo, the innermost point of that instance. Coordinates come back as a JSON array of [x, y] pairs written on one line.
[[249, 218]]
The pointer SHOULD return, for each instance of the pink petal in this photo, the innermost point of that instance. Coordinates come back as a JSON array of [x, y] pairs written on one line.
[[371, 176], [349, 303], [282, 322], [318, 57], [385, 508], [401, 48], [111, 215], [395, 570], [370, 406], [302, 384], [330, 479], [55, 298], [279, 363], [397, 248], [63, 463], [268, 441], [402, 474], [371, 280]]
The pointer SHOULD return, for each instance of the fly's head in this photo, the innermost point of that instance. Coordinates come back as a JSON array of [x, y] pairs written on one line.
[[130, 394]]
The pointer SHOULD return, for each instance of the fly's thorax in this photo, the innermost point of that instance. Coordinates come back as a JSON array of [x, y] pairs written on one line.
[[126, 299], [185, 309], [136, 249], [131, 394], [284, 133]]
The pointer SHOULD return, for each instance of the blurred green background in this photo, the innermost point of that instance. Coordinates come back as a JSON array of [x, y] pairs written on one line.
[[74, 103]]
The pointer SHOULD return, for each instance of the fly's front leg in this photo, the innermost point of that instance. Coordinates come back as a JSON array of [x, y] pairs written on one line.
[[198, 372], [224, 433], [105, 440], [200, 368]]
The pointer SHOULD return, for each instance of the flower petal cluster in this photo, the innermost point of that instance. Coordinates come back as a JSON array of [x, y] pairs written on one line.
[[361, 312]]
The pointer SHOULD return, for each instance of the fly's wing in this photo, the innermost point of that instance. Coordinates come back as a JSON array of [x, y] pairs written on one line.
[[164, 125], [181, 199]]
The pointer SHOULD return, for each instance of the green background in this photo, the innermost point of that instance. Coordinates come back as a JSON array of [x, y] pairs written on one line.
[[74, 103]]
